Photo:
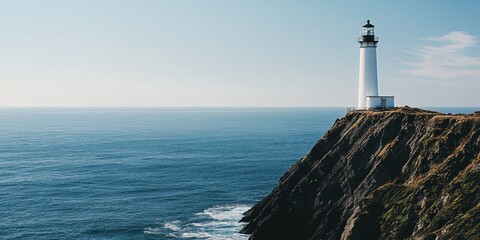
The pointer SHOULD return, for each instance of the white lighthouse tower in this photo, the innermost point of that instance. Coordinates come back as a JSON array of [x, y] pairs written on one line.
[[368, 82]]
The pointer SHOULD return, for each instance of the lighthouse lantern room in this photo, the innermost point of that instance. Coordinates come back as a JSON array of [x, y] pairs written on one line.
[[368, 82]]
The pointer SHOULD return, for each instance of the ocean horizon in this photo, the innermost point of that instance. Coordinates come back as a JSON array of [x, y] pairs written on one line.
[[147, 173]]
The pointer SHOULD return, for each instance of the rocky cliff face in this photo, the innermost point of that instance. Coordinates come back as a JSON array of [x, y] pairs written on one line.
[[397, 174]]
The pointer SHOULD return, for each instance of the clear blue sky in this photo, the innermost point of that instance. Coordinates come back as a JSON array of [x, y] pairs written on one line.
[[234, 53]]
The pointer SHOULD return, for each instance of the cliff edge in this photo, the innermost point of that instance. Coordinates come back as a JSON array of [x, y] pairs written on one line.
[[402, 173]]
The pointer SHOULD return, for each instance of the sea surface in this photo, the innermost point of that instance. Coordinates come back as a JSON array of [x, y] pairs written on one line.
[[146, 173]]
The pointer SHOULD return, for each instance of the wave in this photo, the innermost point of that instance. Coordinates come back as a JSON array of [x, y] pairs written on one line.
[[215, 223], [150, 230], [172, 226]]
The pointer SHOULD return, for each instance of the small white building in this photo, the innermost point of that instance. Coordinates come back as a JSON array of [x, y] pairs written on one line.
[[375, 102], [368, 97]]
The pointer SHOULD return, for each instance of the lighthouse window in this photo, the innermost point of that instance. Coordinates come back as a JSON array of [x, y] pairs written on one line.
[[368, 31]]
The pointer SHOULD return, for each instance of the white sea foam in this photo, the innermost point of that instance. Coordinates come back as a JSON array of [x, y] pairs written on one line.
[[214, 236], [212, 224], [150, 230], [215, 223], [225, 212], [172, 226], [197, 235]]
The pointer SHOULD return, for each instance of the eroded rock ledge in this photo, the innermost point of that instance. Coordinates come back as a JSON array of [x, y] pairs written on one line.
[[398, 174]]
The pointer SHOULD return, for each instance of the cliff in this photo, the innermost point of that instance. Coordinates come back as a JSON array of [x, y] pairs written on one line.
[[396, 174]]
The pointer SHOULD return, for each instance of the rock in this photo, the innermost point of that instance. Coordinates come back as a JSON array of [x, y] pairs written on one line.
[[403, 173]]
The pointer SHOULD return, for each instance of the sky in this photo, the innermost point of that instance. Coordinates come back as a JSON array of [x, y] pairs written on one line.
[[225, 53]]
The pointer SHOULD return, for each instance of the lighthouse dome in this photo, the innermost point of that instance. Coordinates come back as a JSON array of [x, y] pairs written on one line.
[[368, 25]]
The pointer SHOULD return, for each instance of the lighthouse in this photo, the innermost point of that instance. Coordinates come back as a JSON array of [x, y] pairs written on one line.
[[368, 97]]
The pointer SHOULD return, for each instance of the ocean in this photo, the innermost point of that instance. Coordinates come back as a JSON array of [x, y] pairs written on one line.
[[146, 173]]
